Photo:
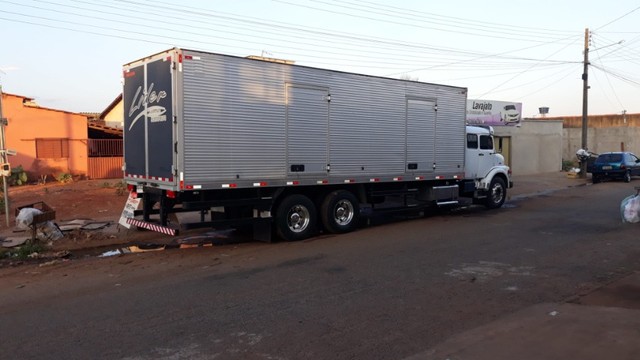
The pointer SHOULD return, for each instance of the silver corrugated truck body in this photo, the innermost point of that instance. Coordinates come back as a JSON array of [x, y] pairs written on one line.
[[267, 143], [198, 120]]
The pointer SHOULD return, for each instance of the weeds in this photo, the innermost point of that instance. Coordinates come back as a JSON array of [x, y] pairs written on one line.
[[64, 178], [24, 252]]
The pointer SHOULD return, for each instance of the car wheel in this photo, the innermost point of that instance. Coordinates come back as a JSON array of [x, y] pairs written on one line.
[[595, 179], [627, 177]]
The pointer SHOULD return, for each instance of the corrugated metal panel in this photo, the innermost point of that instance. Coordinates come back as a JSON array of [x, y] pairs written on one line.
[[421, 125], [234, 121], [307, 129], [105, 168]]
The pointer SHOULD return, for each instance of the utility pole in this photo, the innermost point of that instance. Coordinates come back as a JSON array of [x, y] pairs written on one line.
[[3, 157], [585, 98]]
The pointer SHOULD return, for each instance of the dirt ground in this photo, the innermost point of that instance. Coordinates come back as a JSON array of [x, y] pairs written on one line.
[[90, 200]]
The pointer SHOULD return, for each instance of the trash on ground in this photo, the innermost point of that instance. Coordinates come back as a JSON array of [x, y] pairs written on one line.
[[630, 209], [554, 313], [25, 218], [39, 221], [146, 248], [13, 241], [112, 253], [134, 249], [95, 226], [69, 227]]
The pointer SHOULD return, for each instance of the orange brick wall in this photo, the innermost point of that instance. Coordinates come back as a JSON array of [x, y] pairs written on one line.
[[26, 123]]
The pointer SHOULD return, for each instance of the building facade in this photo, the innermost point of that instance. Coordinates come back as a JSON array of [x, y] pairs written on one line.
[[48, 141]]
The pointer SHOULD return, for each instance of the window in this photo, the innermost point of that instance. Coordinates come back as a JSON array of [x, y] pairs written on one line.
[[52, 148], [486, 142], [472, 141]]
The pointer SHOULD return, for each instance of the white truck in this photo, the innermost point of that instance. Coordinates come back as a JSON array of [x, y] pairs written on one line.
[[296, 148]]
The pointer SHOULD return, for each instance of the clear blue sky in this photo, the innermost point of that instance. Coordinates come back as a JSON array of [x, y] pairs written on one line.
[[68, 54]]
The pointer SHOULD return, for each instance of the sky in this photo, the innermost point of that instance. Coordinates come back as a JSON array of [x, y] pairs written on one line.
[[68, 54]]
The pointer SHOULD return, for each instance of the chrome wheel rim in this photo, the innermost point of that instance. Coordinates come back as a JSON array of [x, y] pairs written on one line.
[[497, 193], [343, 212], [298, 218]]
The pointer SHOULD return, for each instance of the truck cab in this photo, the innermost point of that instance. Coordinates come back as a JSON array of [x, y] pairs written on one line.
[[485, 167]]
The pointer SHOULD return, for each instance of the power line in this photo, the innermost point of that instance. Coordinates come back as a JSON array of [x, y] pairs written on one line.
[[462, 20], [471, 33], [618, 18]]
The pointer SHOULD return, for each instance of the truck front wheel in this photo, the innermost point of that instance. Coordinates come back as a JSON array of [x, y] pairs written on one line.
[[296, 218], [340, 212], [497, 194]]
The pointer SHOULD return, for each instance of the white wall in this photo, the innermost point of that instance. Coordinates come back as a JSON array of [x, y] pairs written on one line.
[[536, 146]]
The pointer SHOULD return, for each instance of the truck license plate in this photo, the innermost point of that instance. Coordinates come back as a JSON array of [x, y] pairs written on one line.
[[606, 168]]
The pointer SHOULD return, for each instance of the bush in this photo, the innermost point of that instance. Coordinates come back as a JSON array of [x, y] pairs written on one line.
[[24, 251], [18, 176], [64, 178], [568, 165]]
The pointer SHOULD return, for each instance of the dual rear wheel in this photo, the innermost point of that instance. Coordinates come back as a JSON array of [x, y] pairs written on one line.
[[297, 217]]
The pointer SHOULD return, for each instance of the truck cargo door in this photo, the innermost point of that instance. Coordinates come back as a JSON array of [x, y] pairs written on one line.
[[148, 125], [307, 129], [421, 126]]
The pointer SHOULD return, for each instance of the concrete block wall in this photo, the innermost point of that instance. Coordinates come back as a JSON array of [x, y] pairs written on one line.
[[536, 146]]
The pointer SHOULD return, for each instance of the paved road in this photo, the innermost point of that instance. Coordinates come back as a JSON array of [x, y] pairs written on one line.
[[384, 292]]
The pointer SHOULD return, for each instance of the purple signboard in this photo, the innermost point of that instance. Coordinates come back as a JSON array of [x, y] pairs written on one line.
[[494, 113]]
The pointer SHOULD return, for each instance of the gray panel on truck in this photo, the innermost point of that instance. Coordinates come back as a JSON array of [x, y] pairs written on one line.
[[307, 129], [134, 145], [148, 121]]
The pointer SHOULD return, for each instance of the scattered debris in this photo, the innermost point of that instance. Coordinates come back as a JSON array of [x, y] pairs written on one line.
[[13, 241], [83, 224], [96, 225], [554, 313], [39, 218]]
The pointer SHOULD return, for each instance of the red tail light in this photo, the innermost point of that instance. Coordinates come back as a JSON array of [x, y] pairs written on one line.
[[171, 194], [131, 188]]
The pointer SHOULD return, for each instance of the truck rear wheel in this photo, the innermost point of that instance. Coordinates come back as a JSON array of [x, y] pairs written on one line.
[[497, 194], [340, 212], [296, 218]]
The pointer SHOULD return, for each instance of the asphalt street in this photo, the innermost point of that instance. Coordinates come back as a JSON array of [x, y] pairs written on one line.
[[384, 292]]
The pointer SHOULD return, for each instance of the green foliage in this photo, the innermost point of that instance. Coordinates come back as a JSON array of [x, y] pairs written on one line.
[[121, 188], [18, 176], [23, 252], [568, 165], [64, 178]]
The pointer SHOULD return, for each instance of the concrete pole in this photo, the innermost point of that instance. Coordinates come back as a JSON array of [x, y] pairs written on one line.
[[3, 157], [585, 98]]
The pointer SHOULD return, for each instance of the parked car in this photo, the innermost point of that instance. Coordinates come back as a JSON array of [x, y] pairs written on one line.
[[615, 165]]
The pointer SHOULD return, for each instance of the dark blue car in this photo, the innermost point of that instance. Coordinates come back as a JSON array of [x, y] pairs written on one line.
[[615, 165]]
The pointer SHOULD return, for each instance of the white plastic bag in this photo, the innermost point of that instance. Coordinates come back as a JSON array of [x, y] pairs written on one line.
[[630, 209], [46, 231], [25, 217]]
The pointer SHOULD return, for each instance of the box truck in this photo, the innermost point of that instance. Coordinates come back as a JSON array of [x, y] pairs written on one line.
[[294, 150]]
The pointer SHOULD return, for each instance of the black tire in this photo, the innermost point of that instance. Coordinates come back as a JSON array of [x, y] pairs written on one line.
[[340, 212], [595, 179], [296, 218], [497, 194], [627, 177]]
